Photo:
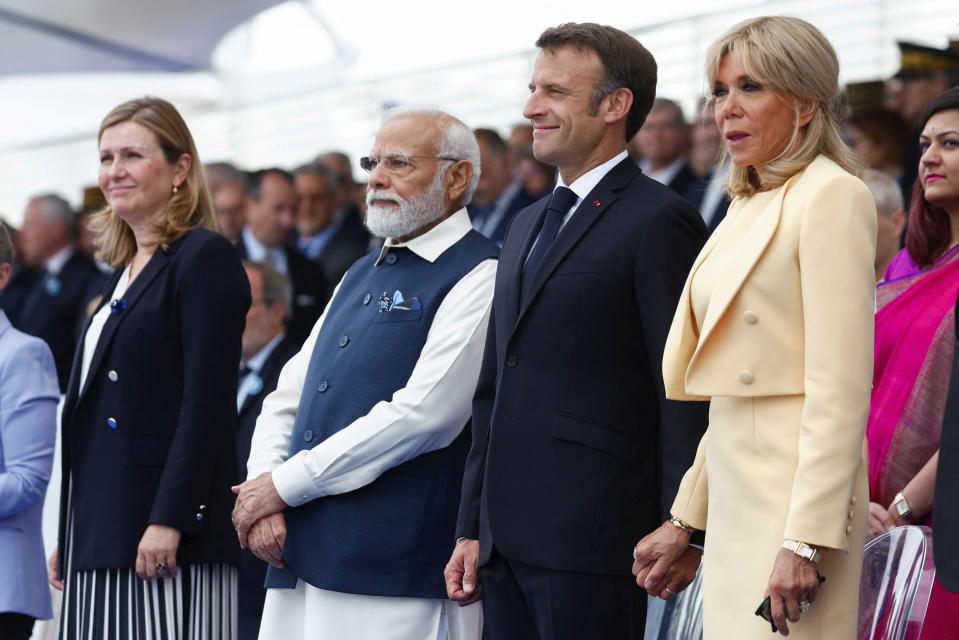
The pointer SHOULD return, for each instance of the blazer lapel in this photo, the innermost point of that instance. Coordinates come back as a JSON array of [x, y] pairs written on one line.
[[134, 292], [589, 210], [513, 261], [740, 264]]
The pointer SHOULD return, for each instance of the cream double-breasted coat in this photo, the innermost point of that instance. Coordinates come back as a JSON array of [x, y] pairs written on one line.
[[783, 348]]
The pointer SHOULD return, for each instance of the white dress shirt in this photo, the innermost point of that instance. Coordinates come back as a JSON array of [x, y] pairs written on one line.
[[259, 252], [251, 383], [426, 414], [664, 175]]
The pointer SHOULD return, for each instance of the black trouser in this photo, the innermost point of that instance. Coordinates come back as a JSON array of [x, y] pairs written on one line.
[[523, 602], [16, 626]]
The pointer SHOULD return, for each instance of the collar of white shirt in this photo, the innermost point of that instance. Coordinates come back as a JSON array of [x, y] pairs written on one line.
[[256, 362], [434, 242], [666, 174], [587, 182], [55, 264]]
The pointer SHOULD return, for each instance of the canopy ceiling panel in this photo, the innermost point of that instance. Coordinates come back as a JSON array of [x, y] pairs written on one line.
[[46, 36]]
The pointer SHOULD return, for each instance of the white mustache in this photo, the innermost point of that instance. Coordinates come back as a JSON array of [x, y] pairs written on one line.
[[383, 195]]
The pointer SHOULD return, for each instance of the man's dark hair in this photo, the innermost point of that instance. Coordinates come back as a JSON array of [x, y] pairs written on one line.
[[494, 142], [319, 169], [256, 180], [626, 63]]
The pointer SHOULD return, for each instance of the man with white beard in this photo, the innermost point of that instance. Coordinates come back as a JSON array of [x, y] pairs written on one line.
[[357, 458]]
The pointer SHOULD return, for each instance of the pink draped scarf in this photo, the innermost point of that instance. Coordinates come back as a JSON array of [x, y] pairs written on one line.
[[915, 335]]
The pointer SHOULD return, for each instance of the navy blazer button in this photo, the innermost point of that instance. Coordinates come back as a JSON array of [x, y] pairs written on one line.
[[112, 423], [367, 298], [344, 340], [113, 376], [202, 507], [199, 517], [323, 386], [391, 258], [307, 435], [512, 360]]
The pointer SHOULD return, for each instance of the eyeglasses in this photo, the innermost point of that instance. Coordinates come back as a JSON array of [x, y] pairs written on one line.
[[397, 164]]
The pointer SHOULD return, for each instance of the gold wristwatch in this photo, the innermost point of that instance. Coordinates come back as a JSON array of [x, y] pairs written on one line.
[[902, 507], [802, 550]]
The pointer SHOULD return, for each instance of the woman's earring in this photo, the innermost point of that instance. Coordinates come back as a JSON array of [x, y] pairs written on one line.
[[176, 189]]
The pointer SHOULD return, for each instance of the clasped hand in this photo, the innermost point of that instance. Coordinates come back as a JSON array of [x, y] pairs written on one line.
[[665, 563], [258, 518]]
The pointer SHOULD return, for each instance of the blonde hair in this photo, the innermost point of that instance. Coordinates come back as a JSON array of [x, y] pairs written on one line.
[[796, 62], [187, 209]]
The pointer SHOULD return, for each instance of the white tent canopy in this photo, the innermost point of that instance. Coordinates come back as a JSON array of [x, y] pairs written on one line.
[[311, 75], [43, 36]]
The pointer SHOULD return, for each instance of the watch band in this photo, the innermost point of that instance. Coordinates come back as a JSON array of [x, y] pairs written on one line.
[[802, 550], [682, 524]]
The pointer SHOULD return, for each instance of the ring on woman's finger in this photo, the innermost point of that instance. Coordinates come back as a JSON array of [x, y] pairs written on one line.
[[670, 592], [161, 566], [634, 553], [804, 606]]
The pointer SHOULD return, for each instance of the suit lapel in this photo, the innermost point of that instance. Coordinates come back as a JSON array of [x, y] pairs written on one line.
[[589, 210], [134, 292], [515, 259], [741, 263]]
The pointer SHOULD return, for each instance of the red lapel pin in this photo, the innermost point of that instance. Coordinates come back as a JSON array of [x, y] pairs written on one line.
[[596, 202]]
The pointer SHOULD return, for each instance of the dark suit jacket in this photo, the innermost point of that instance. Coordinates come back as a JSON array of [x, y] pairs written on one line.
[[689, 185], [252, 570], [150, 436], [575, 449], [309, 292], [350, 243], [250, 411], [55, 311], [945, 509]]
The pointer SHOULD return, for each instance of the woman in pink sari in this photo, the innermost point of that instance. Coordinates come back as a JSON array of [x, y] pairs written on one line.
[[915, 337]]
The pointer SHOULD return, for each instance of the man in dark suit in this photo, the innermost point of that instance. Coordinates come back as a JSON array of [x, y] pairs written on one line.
[[65, 280], [265, 350], [575, 449], [324, 232], [498, 197], [270, 215], [661, 147]]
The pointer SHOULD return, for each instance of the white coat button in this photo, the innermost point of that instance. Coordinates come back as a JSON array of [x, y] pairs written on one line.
[[113, 376], [746, 376], [852, 500], [852, 514], [848, 530], [750, 317]]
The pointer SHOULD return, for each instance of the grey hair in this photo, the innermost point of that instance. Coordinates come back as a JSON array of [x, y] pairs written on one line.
[[318, 169], [220, 173], [56, 209], [276, 286], [458, 140], [885, 191], [6, 245]]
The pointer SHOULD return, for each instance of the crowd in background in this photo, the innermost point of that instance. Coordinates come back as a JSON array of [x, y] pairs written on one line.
[[299, 229]]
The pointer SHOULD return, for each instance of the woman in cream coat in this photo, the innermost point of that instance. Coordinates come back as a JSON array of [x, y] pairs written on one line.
[[775, 327]]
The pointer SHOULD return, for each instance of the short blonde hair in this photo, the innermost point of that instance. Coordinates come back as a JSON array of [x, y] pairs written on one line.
[[187, 209], [796, 62]]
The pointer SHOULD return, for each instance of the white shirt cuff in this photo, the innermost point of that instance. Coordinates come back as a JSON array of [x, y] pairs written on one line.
[[293, 481]]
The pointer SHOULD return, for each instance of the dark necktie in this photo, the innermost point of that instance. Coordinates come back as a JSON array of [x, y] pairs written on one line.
[[559, 203], [245, 371]]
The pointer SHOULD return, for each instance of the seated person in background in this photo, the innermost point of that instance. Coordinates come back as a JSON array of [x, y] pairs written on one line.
[[270, 217], [325, 231], [661, 148], [228, 190], [891, 217]]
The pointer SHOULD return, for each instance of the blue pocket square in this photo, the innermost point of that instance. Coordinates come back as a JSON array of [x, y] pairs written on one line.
[[404, 304]]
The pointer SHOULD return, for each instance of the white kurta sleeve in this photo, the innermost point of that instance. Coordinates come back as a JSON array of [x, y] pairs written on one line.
[[426, 414]]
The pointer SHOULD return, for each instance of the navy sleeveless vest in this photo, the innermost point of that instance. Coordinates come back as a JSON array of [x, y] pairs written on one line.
[[393, 536]]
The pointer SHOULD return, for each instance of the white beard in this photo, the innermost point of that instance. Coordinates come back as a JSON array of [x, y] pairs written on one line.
[[416, 212]]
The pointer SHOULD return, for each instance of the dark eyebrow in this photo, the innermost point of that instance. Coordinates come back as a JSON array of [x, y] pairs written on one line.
[[940, 134]]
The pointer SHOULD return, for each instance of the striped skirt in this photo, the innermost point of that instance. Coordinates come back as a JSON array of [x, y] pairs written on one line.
[[115, 604]]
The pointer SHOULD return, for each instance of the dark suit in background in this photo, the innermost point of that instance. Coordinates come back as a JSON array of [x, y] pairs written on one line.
[[54, 308], [252, 570], [309, 291], [350, 243]]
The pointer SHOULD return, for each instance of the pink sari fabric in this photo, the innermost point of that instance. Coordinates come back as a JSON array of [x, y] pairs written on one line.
[[915, 334]]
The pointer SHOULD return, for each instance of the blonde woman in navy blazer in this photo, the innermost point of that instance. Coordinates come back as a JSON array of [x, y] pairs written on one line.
[[150, 410]]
